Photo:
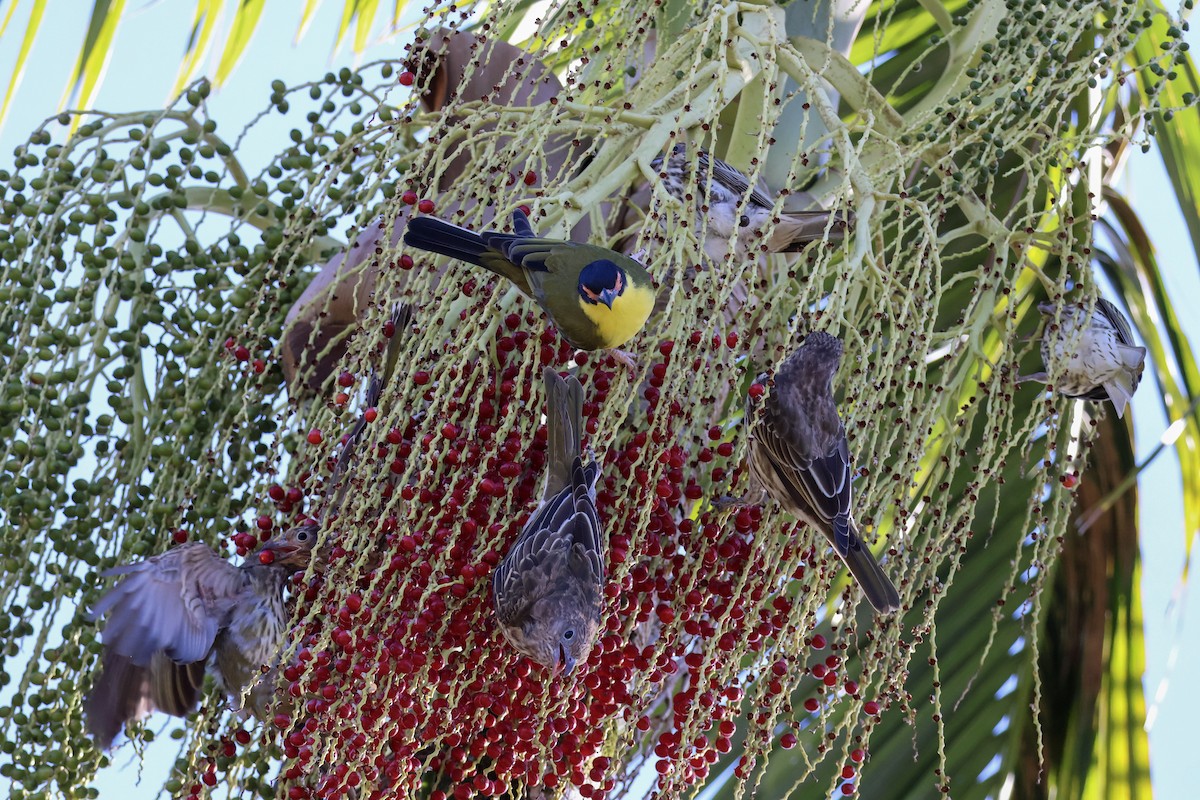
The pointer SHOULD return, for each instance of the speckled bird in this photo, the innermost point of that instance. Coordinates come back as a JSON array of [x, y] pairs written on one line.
[[596, 297], [548, 589], [1104, 363], [719, 191], [175, 615], [800, 456]]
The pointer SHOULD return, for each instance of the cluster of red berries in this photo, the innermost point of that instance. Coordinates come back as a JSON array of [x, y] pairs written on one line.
[[401, 669]]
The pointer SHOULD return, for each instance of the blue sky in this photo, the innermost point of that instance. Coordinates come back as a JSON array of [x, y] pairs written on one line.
[[151, 42]]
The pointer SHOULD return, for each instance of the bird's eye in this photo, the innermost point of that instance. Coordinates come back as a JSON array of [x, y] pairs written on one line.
[[744, 221], [568, 635], [302, 536]]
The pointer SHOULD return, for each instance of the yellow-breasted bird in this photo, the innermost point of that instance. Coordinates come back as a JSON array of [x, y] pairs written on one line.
[[800, 457], [726, 202], [548, 590], [175, 615], [597, 298], [1103, 364]]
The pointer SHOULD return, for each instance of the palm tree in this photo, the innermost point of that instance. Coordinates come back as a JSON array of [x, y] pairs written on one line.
[[185, 340]]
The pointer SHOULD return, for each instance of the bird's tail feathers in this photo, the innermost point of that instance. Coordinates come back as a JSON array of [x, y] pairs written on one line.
[[438, 236], [798, 228], [1121, 386], [876, 585], [1120, 391], [121, 693], [564, 427], [521, 226]]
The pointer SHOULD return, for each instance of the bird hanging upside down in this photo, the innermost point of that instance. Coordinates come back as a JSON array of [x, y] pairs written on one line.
[[1104, 363], [548, 589]]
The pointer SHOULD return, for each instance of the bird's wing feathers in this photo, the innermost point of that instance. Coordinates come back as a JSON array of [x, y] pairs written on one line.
[[530, 253], [566, 523], [175, 602], [820, 486], [1116, 319], [733, 179]]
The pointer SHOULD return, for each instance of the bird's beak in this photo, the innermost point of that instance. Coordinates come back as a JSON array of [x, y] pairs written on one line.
[[564, 664], [607, 297], [280, 549]]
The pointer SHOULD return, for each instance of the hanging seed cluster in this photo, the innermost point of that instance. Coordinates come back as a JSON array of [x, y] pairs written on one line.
[[146, 275]]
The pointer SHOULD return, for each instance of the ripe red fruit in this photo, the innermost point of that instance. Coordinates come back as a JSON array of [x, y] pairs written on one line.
[[811, 705], [315, 437], [371, 414], [530, 178], [818, 642], [425, 206], [267, 557], [409, 197], [345, 379], [1070, 481], [847, 788], [857, 755], [241, 353], [787, 741], [406, 78], [871, 707]]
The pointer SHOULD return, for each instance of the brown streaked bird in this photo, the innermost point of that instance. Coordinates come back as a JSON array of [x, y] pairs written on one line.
[[726, 203], [548, 589], [800, 457], [1104, 363], [175, 615]]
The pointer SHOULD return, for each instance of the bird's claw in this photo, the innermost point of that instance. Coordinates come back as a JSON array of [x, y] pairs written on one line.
[[728, 501], [629, 360]]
